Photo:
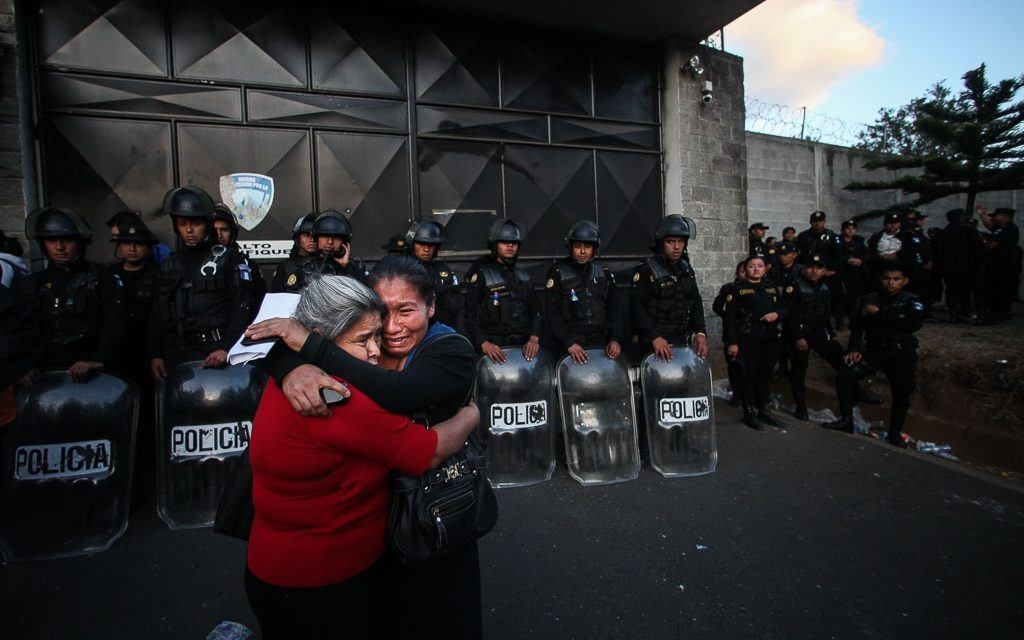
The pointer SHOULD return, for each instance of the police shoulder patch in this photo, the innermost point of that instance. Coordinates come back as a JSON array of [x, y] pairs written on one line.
[[550, 283], [789, 289], [918, 306], [728, 298], [472, 278], [444, 274], [292, 279], [636, 277], [118, 280]]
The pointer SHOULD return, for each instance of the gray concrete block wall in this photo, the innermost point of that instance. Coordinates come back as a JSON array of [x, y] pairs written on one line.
[[706, 163], [12, 196]]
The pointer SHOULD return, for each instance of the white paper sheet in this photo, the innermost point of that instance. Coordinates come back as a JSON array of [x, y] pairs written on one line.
[[275, 305]]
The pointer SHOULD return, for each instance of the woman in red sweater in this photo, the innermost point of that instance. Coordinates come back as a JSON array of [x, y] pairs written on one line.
[[320, 485]]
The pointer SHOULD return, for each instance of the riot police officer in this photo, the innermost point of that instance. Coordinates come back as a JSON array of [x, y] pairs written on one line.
[[753, 327], [853, 256], [79, 305], [1002, 247], [886, 320], [820, 241], [726, 291], [501, 307], [756, 236], [138, 272], [784, 274], [293, 272], [333, 234], [225, 233], [423, 240], [666, 305], [807, 329], [581, 302], [959, 257], [205, 295]]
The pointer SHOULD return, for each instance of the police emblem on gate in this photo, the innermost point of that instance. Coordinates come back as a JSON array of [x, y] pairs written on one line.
[[249, 196]]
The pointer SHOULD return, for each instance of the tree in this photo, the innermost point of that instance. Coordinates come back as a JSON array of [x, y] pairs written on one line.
[[969, 143]]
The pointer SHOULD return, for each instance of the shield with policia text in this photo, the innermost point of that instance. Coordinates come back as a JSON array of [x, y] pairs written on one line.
[[680, 414], [599, 419], [68, 459], [249, 196], [516, 399], [204, 422]]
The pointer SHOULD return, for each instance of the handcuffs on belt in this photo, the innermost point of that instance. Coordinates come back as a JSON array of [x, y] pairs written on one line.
[[217, 250]]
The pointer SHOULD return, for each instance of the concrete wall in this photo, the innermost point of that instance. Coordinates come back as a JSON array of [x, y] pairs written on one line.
[[788, 179], [12, 196], [706, 163]]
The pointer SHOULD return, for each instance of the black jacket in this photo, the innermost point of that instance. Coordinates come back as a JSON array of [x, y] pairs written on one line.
[[665, 300], [581, 304], [501, 306], [745, 307], [893, 326]]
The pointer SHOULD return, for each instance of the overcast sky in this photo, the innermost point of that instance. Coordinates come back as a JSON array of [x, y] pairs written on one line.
[[848, 58]]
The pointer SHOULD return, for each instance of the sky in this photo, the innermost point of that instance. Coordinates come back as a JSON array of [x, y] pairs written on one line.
[[849, 58]]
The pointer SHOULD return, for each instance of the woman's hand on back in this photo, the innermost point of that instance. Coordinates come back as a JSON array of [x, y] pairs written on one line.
[[288, 330], [302, 388]]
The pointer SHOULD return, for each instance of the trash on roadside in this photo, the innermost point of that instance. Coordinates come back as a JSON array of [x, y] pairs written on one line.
[[721, 389], [228, 630], [701, 547], [936, 449]]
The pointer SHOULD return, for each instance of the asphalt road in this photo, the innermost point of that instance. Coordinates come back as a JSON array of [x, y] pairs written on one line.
[[800, 533]]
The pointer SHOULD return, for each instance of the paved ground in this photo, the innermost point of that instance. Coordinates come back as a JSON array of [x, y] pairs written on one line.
[[799, 534]]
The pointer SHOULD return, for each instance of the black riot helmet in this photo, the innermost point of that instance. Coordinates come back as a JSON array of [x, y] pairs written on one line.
[[424, 232], [304, 224], [222, 212], [52, 222], [673, 225], [189, 202], [505, 230], [583, 231], [332, 223]]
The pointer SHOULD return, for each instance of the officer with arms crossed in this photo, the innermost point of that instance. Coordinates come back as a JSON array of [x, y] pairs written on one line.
[[666, 306], [580, 298], [293, 272], [423, 239], [79, 305], [888, 320], [333, 234], [205, 295], [501, 307]]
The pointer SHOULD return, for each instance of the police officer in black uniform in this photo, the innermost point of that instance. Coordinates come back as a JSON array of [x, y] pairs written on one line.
[[1002, 246], [753, 329], [423, 240], [727, 291], [853, 257], [889, 246], [807, 328], [333, 234], [292, 273], [887, 320], [666, 305], [757, 244], [784, 274], [581, 301], [205, 294], [959, 256], [919, 256], [79, 305], [820, 241], [502, 309], [225, 232]]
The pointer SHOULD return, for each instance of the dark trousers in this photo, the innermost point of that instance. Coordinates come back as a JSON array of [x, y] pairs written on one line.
[[958, 295], [342, 610], [899, 366], [757, 358], [1001, 293], [434, 600], [853, 289], [735, 372], [837, 290], [825, 347]]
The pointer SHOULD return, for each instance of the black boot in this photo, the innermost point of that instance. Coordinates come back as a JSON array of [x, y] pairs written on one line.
[[765, 416], [842, 424], [801, 412], [750, 419]]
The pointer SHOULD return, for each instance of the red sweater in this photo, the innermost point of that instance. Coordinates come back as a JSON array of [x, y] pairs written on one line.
[[320, 487]]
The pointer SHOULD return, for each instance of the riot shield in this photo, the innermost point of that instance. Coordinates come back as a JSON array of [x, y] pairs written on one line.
[[599, 419], [68, 458], [680, 414], [515, 400], [204, 421]]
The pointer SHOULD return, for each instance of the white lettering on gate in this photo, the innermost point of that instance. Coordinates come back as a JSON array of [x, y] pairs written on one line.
[[205, 440], [672, 411], [518, 415], [266, 249], [88, 459]]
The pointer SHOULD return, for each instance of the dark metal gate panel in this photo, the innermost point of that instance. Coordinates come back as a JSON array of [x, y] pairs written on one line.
[[367, 178], [625, 86], [100, 165], [549, 189], [321, 110], [207, 152], [629, 200], [456, 65], [356, 53], [547, 75]]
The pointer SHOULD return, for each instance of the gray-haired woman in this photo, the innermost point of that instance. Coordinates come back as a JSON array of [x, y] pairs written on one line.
[[320, 484]]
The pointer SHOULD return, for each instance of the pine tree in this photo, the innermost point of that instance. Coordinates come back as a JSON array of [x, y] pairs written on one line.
[[969, 143]]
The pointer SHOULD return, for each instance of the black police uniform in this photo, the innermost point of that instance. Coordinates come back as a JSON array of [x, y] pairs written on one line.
[[1001, 269], [81, 314], [448, 301], [853, 277], [758, 343], [758, 248], [919, 256], [825, 244], [726, 291], [581, 305], [666, 302], [328, 266], [808, 319], [292, 274], [959, 259], [891, 347], [501, 306], [877, 264], [205, 298]]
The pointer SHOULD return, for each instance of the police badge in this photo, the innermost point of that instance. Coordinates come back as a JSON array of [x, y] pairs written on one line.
[[249, 196]]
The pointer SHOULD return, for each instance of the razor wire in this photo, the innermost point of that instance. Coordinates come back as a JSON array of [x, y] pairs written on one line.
[[799, 122]]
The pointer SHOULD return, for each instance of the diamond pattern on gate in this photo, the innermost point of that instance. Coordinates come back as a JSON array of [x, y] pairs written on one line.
[[624, 87], [320, 110], [629, 199], [122, 95], [456, 65], [255, 43], [546, 76], [455, 175], [126, 36], [604, 134], [354, 53]]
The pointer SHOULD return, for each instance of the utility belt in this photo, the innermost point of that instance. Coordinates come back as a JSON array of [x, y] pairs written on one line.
[[510, 340], [203, 336], [893, 344]]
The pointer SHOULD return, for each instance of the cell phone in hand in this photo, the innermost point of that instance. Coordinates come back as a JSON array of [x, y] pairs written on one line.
[[248, 342], [331, 397]]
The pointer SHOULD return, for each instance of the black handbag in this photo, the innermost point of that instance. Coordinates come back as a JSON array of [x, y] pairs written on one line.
[[235, 510], [436, 514]]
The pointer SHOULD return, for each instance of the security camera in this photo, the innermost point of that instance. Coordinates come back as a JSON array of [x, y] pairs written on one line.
[[707, 92]]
